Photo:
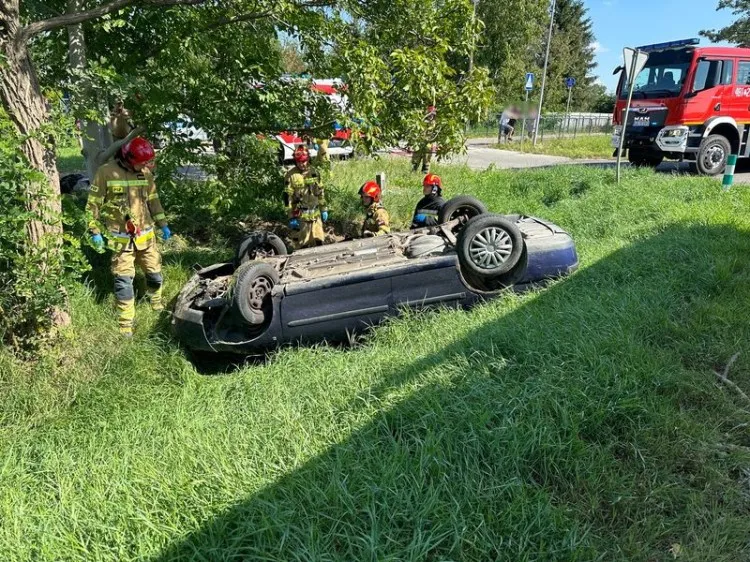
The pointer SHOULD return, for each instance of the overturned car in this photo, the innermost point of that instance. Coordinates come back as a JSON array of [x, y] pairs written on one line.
[[265, 297]]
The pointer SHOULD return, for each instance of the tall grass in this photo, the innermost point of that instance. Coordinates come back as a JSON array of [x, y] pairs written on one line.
[[582, 146], [578, 422]]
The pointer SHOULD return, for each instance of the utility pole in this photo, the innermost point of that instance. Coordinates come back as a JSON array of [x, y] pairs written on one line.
[[473, 35], [544, 73]]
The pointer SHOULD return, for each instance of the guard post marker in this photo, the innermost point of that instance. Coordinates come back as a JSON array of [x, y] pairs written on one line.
[[728, 180]]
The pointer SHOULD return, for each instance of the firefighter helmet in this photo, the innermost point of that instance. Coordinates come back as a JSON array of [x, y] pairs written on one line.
[[371, 189], [301, 154], [138, 151], [433, 181]]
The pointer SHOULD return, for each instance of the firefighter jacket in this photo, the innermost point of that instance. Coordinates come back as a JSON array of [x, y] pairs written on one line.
[[377, 221], [429, 206], [304, 196], [119, 196]]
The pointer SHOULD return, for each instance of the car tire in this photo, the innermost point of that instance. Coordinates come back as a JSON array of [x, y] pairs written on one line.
[[643, 159], [251, 297], [259, 245], [489, 246], [461, 206], [712, 155]]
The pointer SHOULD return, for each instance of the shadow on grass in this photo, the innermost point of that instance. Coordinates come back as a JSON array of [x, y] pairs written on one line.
[[567, 429]]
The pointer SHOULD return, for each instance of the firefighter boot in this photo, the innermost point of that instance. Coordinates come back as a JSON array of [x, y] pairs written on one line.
[[153, 290]]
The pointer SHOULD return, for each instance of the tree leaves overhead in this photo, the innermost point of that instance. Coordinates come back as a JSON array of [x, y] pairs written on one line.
[[738, 32], [221, 64]]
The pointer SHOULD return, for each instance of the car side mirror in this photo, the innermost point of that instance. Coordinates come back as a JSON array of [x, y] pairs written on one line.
[[690, 95]]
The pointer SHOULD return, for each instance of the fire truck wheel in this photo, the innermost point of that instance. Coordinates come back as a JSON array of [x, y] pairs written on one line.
[[644, 159], [712, 155]]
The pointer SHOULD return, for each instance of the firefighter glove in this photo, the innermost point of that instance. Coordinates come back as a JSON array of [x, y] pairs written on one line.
[[294, 223], [97, 240], [324, 216], [166, 233]]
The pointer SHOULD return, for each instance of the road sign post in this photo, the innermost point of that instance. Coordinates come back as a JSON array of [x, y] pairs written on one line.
[[569, 83], [544, 72], [528, 87], [634, 60]]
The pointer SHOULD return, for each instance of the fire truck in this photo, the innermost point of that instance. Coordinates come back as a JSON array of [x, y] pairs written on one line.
[[689, 103], [340, 145]]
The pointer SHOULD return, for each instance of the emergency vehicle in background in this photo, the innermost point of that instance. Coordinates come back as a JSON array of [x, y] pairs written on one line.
[[689, 103], [340, 145]]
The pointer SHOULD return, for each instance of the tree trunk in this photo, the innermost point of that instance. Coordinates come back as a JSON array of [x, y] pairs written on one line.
[[96, 137], [22, 98]]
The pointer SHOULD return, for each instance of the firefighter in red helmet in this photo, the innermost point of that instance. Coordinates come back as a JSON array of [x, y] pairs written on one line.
[[304, 199], [124, 206], [428, 208], [377, 221]]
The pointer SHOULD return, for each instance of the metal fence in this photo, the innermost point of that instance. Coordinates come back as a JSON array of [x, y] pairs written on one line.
[[553, 125]]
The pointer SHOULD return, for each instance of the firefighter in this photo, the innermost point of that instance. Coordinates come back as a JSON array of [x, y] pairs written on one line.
[[124, 200], [120, 121], [377, 221], [423, 153], [428, 208], [304, 199]]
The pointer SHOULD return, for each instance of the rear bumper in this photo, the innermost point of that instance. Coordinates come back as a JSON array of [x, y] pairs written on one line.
[[550, 258]]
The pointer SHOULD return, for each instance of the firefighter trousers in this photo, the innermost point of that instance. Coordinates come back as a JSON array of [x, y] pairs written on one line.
[[124, 261], [310, 234]]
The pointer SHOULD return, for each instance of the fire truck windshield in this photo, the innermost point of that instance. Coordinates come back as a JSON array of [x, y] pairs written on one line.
[[662, 77]]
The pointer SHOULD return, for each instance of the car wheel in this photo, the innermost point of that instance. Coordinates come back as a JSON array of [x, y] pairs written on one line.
[[489, 246], [259, 245], [252, 292], [712, 155], [462, 207]]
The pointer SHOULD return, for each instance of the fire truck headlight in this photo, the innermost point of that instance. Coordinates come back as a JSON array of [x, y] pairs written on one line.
[[675, 133]]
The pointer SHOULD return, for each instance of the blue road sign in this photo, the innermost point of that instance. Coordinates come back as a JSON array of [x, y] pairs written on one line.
[[570, 82], [529, 81]]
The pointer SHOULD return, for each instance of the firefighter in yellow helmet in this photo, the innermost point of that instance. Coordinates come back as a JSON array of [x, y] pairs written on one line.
[[304, 199], [125, 206], [377, 221]]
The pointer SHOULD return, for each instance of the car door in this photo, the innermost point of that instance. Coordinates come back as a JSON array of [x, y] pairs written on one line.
[[331, 307], [429, 281], [710, 90]]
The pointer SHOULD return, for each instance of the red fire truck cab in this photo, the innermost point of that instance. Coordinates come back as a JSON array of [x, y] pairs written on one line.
[[689, 103]]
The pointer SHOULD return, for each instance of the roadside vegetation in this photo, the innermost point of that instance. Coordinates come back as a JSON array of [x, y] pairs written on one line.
[[583, 421], [582, 146]]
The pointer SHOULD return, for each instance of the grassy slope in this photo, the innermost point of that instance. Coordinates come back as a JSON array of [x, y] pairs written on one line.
[[583, 146], [574, 423]]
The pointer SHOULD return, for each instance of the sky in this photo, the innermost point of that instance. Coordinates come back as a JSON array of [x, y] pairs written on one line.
[[630, 23]]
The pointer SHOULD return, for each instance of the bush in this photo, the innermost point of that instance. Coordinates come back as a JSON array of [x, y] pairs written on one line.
[[32, 278], [243, 183]]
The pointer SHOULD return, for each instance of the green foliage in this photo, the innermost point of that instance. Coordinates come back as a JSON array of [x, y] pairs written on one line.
[[32, 278], [571, 55], [223, 69], [244, 183], [738, 32], [513, 35]]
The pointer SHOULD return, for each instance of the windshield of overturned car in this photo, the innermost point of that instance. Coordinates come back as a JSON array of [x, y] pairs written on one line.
[[662, 77]]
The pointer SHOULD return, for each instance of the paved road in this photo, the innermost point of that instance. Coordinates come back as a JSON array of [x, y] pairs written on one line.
[[480, 155]]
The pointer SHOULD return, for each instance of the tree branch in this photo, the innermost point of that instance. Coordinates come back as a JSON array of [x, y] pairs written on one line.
[[79, 17], [244, 17], [112, 149]]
